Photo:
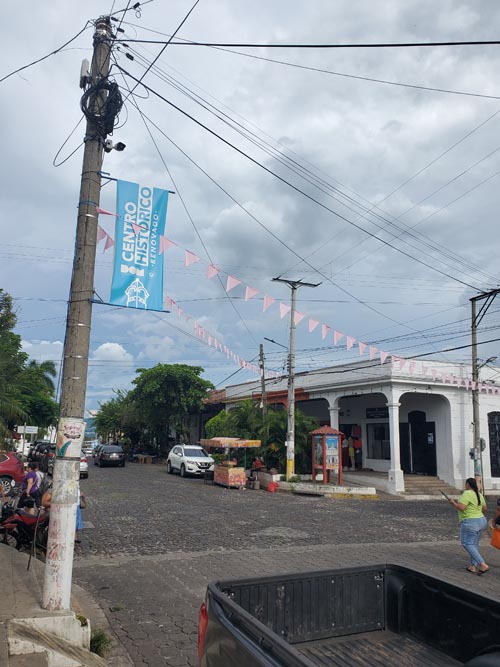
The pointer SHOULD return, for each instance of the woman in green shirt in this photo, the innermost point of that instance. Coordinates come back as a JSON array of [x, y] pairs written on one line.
[[471, 508]]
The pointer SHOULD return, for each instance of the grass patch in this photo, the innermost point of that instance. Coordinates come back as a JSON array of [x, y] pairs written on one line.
[[100, 642], [84, 621], [117, 607]]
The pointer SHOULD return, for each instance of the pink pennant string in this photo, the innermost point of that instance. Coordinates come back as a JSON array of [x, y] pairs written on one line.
[[101, 234], [190, 258], [383, 356], [362, 348], [312, 324], [298, 317], [250, 292], [324, 331], [268, 301], [284, 310], [103, 211], [109, 243], [232, 283], [373, 352], [210, 341], [350, 342], [165, 244]]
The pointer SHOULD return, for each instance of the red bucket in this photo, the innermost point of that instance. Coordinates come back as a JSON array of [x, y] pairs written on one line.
[[272, 487]]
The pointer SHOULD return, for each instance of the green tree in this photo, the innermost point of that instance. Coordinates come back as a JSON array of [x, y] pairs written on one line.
[[166, 395], [46, 370], [273, 434], [12, 361]]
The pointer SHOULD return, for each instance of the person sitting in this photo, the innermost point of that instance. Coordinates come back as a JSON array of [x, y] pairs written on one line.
[[30, 486], [28, 509]]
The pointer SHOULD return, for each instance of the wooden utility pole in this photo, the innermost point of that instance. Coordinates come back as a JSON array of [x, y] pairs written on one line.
[[262, 380], [71, 429], [290, 435]]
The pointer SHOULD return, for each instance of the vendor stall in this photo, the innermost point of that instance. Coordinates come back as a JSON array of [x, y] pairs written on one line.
[[227, 473], [326, 452]]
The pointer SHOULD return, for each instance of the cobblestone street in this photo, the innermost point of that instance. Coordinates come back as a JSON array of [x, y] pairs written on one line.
[[153, 541]]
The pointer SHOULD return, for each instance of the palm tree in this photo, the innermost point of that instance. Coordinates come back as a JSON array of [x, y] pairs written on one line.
[[46, 371]]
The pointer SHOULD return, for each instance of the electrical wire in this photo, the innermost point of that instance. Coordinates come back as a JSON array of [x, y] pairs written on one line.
[[64, 144], [188, 213], [52, 53], [455, 258], [299, 190], [387, 45], [402, 231]]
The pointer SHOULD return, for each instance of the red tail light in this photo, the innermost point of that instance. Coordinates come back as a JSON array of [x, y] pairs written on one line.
[[83, 460], [202, 628]]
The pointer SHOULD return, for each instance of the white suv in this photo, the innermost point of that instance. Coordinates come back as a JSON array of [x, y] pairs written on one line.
[[189, 460]]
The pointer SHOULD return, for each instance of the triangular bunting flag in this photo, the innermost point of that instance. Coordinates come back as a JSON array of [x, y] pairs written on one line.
[[212, 271], [350, 342], [268, 301], [312, 324], [165, 244], [102, 211], [337, 336], [101, 234], [109, 243], [137, 228], [373, 352], [284, 310], [190, 258], [324, 330], [210, 340], [231, 283], [250, 292], [362, 347], [383, 356], [298, 317]]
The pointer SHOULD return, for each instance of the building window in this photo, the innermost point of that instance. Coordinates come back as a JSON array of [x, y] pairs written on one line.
[[379, 445]]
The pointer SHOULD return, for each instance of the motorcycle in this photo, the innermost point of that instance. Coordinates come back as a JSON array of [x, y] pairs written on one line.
[[21, 530]]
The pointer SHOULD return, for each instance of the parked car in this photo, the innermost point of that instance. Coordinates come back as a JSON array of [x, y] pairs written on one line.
[[84, 466], [189, 460], [110, 455], [11, 470], [96, 451], [37, 450], [373, 615], [87, 451]]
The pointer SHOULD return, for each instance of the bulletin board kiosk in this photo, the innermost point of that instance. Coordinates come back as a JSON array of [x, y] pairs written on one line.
[[327, 454]]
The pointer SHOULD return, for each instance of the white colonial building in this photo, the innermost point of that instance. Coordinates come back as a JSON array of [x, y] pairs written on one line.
[[408, 424]]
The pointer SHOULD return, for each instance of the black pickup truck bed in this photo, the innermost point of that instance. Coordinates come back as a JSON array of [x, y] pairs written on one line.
[[374, 649], [373, 616]]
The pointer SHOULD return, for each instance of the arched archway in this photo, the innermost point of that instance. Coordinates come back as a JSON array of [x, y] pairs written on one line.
[[417, 438]]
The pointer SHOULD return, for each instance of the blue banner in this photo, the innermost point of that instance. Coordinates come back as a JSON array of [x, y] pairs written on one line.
[[138, 266]]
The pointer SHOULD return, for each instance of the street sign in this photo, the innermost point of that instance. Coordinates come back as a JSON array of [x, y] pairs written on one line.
[[27, 429]]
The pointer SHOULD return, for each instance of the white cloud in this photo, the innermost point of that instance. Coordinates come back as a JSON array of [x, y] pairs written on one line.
[[111, 352]]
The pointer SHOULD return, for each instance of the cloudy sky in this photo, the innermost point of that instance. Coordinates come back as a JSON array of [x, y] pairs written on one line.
[[419, 169]]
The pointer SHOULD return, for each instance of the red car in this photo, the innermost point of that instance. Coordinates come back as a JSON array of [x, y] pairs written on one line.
[[11, 471]]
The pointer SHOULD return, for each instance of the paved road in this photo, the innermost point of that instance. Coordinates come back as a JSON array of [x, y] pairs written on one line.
[[158, 539]]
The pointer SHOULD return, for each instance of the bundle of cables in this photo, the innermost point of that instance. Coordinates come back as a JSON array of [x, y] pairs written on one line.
[[101, 103]]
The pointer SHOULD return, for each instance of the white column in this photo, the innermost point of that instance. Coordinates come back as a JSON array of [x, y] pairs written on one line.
[[334, 417], [396, 478]]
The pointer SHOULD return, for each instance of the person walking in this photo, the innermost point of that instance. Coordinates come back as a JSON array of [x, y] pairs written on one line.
[[471, 508]]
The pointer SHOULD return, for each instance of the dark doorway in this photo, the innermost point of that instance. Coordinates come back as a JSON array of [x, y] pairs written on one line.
[[494, 437], [418, 445]]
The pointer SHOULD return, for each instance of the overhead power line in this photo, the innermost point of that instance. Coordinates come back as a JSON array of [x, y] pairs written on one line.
[[296, 188], [52, 53], [379, 45]]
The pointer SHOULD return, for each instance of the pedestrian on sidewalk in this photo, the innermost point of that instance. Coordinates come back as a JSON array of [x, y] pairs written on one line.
[[471, 508]]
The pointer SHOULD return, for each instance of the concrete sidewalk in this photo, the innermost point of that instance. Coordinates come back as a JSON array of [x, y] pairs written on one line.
[[30, 635]]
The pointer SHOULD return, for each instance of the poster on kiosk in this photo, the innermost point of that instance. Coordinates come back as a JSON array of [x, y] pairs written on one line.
[[326, 443]]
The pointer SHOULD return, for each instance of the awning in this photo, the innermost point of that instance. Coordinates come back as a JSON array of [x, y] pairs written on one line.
[[232, 443]]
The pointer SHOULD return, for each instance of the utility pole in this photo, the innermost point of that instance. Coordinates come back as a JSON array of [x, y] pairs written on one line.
[[290, 435], [476, 318], [262, 380], [71, 428]]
